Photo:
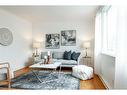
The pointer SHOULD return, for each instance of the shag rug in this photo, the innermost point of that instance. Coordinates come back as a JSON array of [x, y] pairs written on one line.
[[62, 81]]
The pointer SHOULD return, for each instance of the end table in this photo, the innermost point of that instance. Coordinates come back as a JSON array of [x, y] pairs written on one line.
[[87, 60]]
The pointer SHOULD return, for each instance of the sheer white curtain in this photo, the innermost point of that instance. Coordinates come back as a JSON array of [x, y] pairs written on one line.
[[109, 22], [120, 81], [121, 50], [97, 50]]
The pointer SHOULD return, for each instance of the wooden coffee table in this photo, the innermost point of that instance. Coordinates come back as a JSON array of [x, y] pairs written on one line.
[[52, 67]]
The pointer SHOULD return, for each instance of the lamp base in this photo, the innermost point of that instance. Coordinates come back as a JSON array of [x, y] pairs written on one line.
[[85, 56], [36, 56], [86, 53]]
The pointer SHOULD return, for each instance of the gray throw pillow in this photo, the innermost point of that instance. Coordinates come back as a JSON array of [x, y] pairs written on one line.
[[74, 56], [57, 55], [67, 55]]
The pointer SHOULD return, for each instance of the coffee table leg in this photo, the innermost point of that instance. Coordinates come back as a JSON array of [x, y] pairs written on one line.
[[51, 73], [37, 77], [60, 69], [44, 80]]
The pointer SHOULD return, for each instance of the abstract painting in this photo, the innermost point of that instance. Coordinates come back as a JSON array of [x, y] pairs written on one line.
[[52, 41], [68, 37]]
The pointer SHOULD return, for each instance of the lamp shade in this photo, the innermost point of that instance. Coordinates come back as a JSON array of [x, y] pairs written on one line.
[[36, 45], [86, 45]]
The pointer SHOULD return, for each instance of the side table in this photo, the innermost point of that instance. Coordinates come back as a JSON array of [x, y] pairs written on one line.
[[87, 60]]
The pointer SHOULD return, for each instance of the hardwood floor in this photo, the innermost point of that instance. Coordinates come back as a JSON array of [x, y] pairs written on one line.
[[92, 84], [21, 71]]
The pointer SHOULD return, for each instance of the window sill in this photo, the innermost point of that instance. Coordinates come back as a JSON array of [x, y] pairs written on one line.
[[109, 53]]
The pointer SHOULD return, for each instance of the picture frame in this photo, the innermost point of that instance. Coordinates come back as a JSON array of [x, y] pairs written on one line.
[[68, 38], [52, 41]]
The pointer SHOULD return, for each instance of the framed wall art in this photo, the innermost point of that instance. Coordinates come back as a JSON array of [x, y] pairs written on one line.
[[6, 37], [52, 41], [68, 37]]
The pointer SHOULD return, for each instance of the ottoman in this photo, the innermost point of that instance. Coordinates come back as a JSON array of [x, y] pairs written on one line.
[[82, 72]]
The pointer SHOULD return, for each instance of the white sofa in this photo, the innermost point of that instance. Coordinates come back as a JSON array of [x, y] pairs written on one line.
[[58, 56]]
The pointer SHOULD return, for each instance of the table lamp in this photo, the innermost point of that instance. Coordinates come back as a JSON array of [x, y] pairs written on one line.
[[86, 45], [36, 45]]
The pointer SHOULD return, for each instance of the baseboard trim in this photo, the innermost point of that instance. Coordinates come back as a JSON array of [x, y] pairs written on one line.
[[103, 82]]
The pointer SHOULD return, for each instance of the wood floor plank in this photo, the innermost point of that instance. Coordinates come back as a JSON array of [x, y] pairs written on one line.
[[94, 83]]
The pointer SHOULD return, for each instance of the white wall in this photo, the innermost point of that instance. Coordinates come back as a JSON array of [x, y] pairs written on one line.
[[84, 32], [18, 53]]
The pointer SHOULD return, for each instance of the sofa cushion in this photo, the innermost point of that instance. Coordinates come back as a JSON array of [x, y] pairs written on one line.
[[67, 55], [66, 62], [57, 55], [74, 56]]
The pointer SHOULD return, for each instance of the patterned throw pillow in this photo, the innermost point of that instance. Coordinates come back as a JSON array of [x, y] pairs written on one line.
[[67, 55], [74, 56]]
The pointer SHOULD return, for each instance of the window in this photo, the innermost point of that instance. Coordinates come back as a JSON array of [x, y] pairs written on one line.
[[109, 28]]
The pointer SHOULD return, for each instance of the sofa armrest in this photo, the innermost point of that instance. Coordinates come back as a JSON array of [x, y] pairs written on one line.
[[78, 60]]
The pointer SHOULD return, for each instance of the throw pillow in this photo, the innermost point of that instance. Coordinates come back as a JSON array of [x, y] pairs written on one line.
[[74, 56], [64, 56], [67, 55], [58, 55]]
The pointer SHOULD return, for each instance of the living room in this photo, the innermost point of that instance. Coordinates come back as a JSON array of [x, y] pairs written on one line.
[[37, 34], [58, 19]]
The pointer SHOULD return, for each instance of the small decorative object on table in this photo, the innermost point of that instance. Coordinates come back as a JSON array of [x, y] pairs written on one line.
[[45, 60], [49, 58]]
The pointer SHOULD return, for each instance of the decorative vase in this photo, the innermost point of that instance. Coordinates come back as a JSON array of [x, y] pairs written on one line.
[[45, 59], [48, 60]]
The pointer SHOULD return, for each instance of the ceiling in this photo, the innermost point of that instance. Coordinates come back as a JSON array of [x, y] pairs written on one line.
[[53, 13]]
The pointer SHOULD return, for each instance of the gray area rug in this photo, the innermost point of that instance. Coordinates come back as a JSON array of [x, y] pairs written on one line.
[[62, 81]]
